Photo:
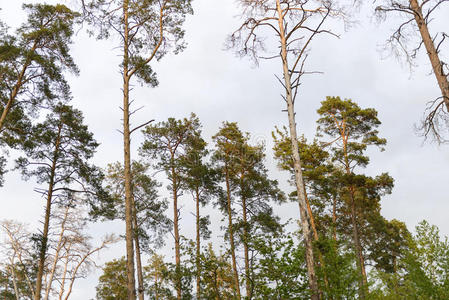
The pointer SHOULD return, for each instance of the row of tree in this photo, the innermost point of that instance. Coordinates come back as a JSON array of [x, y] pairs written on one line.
[[339, 207]]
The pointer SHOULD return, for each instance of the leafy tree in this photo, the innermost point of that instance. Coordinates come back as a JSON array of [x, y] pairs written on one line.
[[147, 30], [294, 24], [217, 275], [149, 221], [112, 284], [58, 151], [200, 180], [352, 130], [422, 268], [281, 273], [157, 276], [246, 177], [228, 141], [32, 63], [257, 193], [168, 143]]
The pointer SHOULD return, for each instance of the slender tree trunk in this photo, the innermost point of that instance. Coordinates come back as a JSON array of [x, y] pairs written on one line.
[[432, 52], [358, 247], [61, 243], [355, 229], [334, 218], [64, 277], [305, 218], [198, 245], [140, 289], [245, 244], [43, 246], [131, 285], [231, 234], [14, 281], [176, 232]]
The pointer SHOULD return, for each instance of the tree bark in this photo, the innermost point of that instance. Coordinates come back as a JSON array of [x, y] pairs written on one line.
[[131, 285], [176, 231], [43, 246], [198, 245], [305, 219], [355, 230], [140, 289], [245, 243], [231, 233], [432, 52]]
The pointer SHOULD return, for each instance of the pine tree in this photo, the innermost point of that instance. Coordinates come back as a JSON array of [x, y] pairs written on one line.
[[32, 66], [352, 130], [57, 152], [200, 180], [149, 221], [147, 31], [167, 142]]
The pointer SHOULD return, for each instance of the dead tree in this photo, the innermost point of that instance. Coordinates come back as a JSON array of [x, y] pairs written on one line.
[[416, 18], [294, 23]]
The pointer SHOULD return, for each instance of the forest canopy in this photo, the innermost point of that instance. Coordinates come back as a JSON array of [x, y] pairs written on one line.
[[260, 149]]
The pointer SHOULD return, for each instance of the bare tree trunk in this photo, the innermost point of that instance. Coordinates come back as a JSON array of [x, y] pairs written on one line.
[[432, 52], [231, 234], [43, 246], [64, 277], [305, 218], [198, 246], [56, 256], [127, 160], [176, 232], [14, 280], [140, 289]]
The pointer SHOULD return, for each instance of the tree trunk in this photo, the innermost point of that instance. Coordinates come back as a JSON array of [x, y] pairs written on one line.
[[432, 52], [61, 243], [198, 246], [43, 246], [127, 161], [358, 247], [176, 232], [140, 289], [231, 234], [245, 244], [355, 230], [14, 281], [334, 218], [305, 219]]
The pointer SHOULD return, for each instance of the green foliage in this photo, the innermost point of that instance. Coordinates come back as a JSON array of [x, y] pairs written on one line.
[[338, 277], [32, 61], [155, 28], [422, 269], [217, 279], [58, 152], [157, 278], [345, 118], [113, 282], [281, 271], [149, 207]]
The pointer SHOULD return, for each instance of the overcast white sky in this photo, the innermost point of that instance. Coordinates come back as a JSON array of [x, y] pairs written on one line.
[[217, 86]]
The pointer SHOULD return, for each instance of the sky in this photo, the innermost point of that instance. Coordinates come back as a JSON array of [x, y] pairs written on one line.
[[218, 86]]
